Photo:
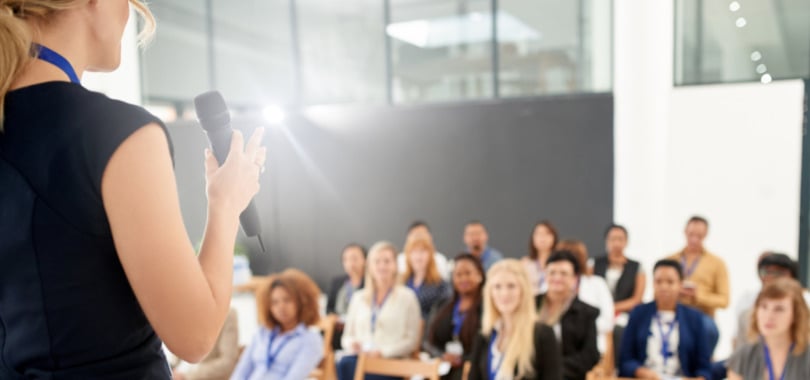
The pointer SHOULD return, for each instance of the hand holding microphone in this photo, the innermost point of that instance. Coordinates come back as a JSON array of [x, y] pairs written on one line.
[[232, 173]]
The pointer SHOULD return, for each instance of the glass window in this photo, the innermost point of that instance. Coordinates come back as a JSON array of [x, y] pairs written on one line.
[[253, 51], [440, 50], [175, 65], [741, 40], [342, 51], [554, 46]]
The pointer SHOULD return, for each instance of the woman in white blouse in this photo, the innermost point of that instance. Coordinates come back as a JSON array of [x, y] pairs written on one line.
[[384, 318]]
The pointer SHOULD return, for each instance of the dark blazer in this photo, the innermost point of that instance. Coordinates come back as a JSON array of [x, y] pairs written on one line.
[[578, 331], [693, 342], [442, 326], [627, 281], [337, 283], [547, 360]]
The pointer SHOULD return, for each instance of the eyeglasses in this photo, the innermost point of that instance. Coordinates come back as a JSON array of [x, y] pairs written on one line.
[[773, 272]]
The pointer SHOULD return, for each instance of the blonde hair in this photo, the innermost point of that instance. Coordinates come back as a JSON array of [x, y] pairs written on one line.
[[800, 328], [432, 275], [520, 349], [16, 35], [376, 250]]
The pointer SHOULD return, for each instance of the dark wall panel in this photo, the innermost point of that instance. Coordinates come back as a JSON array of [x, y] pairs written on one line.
[[341, 174]]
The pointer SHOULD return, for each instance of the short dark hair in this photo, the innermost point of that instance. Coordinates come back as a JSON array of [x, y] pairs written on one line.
[[418, 223], [698, 219], [780, 260], [565, 255], [613, 226], [355, 245], [670, 264]]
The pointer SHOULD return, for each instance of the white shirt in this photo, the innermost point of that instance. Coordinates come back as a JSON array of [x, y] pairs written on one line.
[[396, 328], [655, 360], [594, 291]]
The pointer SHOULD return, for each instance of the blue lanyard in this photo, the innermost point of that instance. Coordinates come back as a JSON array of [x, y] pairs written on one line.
[[272, 355], [541, 275], [665, 351], [349, 290], [413, 287], [375, 309], [688, 272], [54, 58], [458, 319], [769, 363], [493, 369]]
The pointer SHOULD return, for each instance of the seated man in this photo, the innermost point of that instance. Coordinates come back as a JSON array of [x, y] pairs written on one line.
[[664, 337]]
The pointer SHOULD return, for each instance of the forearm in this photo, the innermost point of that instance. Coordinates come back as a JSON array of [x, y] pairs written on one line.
[[216, 257]]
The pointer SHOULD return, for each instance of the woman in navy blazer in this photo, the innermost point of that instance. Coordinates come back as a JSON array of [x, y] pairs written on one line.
[[676, 334]]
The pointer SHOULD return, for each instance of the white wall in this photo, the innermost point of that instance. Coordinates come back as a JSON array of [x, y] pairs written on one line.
[[729, 152]]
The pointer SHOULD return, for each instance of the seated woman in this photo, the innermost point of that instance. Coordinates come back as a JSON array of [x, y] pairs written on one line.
[[343, 287], [512, 344], [593, 291], [456, 322], [663, 337], [384, 318], [421, 275], [542, 242], [284, 348], [778, 336], [219, 363], [573, 321]]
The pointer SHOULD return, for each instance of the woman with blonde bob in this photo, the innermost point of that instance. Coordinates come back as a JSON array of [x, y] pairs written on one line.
[[95, 260], [512, 345], [778, 336], [383, 319], [422, 276]]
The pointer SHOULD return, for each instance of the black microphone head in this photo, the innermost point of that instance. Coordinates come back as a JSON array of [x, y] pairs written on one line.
[[212, 111]]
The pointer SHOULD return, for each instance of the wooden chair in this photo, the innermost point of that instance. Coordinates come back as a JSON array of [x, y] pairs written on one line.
[[396, 367], [606, 367], [326, 370]]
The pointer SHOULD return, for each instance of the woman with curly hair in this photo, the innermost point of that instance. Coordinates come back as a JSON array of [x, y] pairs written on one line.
[[284, 348]]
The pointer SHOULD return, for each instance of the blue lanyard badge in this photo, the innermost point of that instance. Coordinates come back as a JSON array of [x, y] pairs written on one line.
[[458, 319], [411, 285], [54, 58], [272, 355], [769, 363], [492, 367], [666, 352], [688, 271], [375, 309]]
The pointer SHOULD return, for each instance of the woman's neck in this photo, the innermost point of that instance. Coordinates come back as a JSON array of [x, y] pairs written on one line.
[[616, 258], [418, 277], [542, 256], [382, 288], [287, 327], [355, 279], [556, 299], [466, 301], [780, 342]]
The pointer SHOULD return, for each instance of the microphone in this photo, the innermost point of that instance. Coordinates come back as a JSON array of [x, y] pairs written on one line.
[[216, 121]]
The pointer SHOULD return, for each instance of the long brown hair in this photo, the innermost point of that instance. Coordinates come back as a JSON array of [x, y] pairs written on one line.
[[16, 35], [302, 290], [800, 329], [545, 223], [469, 328]]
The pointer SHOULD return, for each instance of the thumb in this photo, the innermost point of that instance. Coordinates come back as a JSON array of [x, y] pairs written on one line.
[[211, 164]]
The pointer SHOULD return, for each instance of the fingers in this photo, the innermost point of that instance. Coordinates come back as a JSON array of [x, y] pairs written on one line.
[[254, 143], [211, 164], [237, 143]]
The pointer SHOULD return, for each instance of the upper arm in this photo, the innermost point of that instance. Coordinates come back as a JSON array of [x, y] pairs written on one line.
[[641, 283], [140, 198]]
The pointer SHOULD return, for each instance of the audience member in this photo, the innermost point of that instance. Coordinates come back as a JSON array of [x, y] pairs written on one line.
[[625, 278], [512, 344], [476, 239], [593, 291], [665, 338], [284, 347], [542, 242], [420, 230], [573, 321], [344, 286], [455, 323], [384, 318], [778, 345], [422, 277], [220, 362]]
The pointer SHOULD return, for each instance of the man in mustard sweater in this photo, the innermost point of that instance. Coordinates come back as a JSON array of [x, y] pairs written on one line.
[[705, 275]]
